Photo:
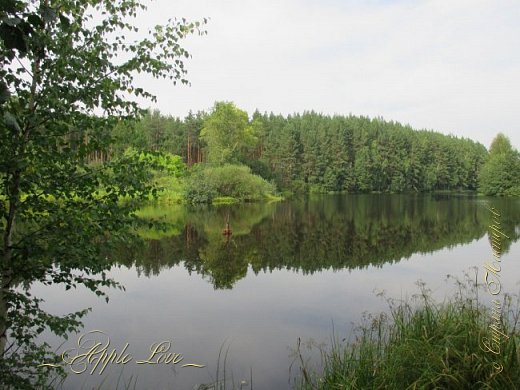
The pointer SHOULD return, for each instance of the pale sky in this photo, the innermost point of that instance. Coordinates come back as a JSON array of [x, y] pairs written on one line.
[[448, 65]]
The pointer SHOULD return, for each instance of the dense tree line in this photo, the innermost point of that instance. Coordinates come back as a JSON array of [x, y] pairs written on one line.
[[315, 152], [161, 133], [358, 154]]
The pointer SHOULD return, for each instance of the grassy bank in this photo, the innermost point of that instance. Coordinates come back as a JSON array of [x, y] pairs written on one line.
[[421, 344]]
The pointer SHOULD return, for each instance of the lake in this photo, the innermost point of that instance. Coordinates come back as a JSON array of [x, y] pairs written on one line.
[[298, 269]]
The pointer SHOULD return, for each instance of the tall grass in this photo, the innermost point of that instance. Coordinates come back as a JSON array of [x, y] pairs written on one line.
[[227, 381], [420, 344]]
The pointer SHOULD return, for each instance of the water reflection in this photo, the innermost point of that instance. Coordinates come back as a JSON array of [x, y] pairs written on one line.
[[314, 234], [322, 257]]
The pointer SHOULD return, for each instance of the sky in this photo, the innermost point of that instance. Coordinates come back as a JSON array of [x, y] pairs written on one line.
[[450, 66]]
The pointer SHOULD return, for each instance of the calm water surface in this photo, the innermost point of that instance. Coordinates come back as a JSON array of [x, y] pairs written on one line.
[[294, 269]]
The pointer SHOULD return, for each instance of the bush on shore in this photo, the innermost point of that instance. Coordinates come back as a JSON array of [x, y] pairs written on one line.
[[234, 181]]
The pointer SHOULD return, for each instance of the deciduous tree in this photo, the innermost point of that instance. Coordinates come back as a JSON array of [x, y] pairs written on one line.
[[67, 68], [500, 174], [227, 134]]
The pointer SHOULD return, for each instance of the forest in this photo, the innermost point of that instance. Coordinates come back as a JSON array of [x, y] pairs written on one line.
[[313, 152], [79, 159]]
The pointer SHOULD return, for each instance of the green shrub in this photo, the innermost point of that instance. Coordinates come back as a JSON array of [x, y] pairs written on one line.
[[235, 181], [513, 191], [199, 189]]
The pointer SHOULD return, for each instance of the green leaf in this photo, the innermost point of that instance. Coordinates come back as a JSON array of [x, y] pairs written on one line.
[[48, 14], [35, 20], [10, 122], [12, 21], [65, 22], [8, 6], [13, 38], [4, 92]]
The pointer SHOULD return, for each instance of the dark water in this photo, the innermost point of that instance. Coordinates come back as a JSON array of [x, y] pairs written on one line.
[[294, 269]]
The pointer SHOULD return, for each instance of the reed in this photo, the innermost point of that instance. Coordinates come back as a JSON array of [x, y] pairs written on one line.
[[421, 344]]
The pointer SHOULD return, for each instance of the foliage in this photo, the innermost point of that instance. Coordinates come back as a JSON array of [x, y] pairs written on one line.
[[234, 181], [163, 162], [167, 173], [227, 134], [170, 189], [320, 153], [66, 78], [500, 174], [427, 346], [199, 189]]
